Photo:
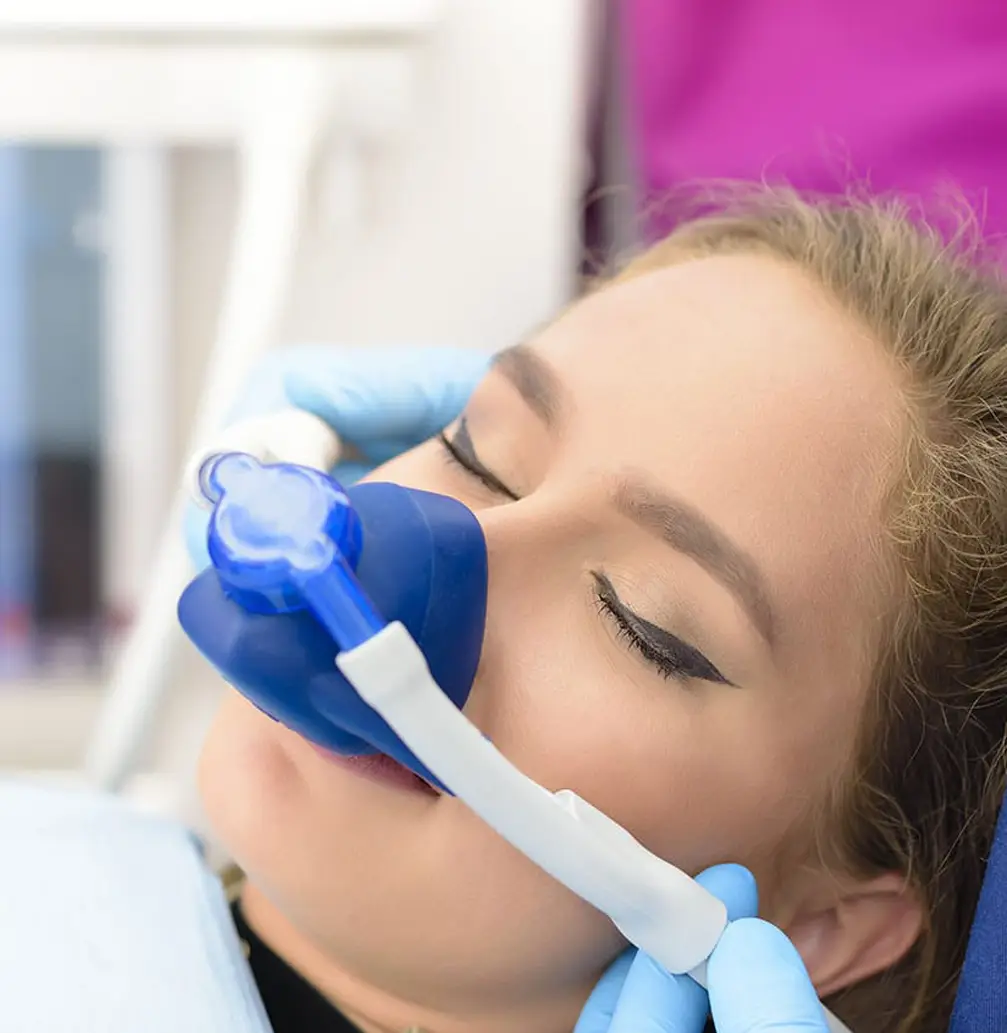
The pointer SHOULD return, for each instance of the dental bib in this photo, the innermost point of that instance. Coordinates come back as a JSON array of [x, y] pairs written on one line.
[[110, 920], [355, 618]]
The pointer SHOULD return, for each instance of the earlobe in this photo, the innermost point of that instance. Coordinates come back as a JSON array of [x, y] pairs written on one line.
[[865, 930]]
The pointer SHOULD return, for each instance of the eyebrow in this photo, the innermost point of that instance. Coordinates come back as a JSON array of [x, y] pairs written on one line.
[[674, 521], [534, 380], [687, 530]]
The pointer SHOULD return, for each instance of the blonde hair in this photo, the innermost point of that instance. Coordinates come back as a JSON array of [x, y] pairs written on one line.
[[924, 785]]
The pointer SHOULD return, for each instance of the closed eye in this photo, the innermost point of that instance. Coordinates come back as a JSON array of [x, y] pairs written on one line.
[[667, 653], [671, 657], [460, 451]]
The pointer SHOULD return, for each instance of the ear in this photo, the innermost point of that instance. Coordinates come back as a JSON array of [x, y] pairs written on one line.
[[863, 929]]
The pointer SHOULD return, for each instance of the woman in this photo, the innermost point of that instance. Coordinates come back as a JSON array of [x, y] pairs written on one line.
[[744, 510]]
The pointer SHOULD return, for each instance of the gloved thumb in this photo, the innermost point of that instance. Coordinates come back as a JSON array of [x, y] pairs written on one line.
[[653, 1000], [636, 995], [195, 523], [758, 982], [405, 395]]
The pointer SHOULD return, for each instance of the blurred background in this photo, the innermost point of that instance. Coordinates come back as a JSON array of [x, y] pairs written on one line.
[[443, 203], [180, 177]]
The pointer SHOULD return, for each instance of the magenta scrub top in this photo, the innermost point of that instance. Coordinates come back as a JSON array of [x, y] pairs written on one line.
[[906, 95]]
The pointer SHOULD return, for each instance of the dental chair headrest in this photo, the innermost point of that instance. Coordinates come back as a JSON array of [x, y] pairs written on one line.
[[981, 1003]]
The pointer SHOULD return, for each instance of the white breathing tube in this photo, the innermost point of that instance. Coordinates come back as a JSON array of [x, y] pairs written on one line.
[[656, 906]]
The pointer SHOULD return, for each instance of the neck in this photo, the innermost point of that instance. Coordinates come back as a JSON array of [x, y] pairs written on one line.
[[376, 1010]]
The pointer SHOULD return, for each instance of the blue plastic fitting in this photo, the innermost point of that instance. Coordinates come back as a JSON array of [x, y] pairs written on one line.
[[303, 569]]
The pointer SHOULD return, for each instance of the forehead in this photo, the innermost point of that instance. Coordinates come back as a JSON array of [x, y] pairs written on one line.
[[735, 317], [738, 384]]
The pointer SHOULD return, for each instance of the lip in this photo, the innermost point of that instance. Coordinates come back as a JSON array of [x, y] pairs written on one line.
[[380, 768]]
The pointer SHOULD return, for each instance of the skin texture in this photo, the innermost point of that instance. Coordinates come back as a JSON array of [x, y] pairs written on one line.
[[733, 384]]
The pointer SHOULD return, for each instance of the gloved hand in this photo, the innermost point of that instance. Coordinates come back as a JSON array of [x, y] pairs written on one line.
[[756, 978], [381, 401]]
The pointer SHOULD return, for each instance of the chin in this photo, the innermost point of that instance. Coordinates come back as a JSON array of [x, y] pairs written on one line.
[[399, 888]]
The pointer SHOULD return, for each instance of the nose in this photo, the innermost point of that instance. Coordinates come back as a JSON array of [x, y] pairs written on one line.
[[420, 559], [536, 551], [542, 537]]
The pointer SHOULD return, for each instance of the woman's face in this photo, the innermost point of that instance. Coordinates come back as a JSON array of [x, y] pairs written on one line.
[[680, 483]]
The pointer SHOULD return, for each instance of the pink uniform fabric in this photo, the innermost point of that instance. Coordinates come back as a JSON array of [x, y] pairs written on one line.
[[901, 95]]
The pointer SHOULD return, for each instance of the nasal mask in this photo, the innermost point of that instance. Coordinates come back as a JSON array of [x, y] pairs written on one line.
[[355, 618]]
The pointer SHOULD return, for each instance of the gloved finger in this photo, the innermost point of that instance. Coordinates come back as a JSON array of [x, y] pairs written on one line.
[[366, 394], [735, 886], [596, 1016], [194, 528], [350, 473], [262, 391], [642, 995], [654, 1001], [758, 983]]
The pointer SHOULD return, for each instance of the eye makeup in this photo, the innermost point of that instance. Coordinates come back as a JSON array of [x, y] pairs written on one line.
[[460, 450], [669, 655], [672, 657]]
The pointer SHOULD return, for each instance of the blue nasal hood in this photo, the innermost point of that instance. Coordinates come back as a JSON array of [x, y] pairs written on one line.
[[280, 535]]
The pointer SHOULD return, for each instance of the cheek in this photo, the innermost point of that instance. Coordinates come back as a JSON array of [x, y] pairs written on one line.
[[241, 766], [675, 765], [700, 773]]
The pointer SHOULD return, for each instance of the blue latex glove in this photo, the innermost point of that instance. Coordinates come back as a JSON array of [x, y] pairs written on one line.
[[757, 981], [383, 401]]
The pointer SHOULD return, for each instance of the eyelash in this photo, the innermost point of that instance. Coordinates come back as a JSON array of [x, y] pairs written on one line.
[[456, 457], [683, 664]]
